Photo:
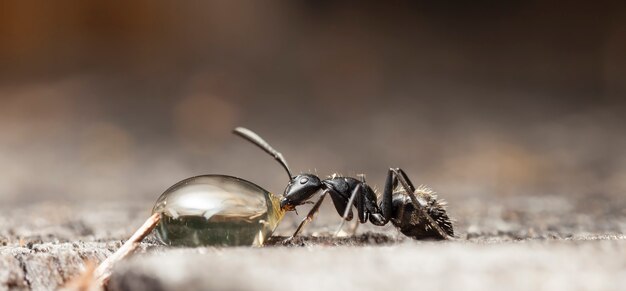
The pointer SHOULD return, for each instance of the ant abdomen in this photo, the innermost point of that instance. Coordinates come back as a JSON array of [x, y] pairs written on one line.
[[412, 223]]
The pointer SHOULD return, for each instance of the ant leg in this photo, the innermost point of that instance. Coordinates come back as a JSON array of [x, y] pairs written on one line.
[[406, 178], [346, 212], [310, 215], [355, 227], [385, 214], [418, 203], [386, 203], [341, 203]]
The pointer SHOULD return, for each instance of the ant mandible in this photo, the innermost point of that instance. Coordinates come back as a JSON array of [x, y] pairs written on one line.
[[415, 212]]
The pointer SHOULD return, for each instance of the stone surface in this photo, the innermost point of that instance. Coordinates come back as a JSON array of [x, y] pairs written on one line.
[[553, 265], [520, 243]]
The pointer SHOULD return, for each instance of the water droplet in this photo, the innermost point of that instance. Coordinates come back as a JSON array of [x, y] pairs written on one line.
[[216, 210]]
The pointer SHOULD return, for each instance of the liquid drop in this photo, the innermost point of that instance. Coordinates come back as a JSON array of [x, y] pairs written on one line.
[[216, 210]]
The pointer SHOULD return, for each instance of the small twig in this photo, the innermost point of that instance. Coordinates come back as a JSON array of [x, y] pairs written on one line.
[[84, 282], [103, 272]]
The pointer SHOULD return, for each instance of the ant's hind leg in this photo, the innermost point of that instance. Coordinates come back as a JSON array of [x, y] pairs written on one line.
[[406, 178], [310, 215], [418, 203]]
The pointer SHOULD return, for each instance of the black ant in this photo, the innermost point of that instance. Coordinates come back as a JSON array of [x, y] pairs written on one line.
[[415, 212]]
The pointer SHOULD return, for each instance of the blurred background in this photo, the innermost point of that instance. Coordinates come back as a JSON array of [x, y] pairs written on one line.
[[116, 100]]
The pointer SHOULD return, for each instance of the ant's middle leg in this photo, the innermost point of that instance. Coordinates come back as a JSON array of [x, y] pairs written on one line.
[[365, 201], [355, 193]]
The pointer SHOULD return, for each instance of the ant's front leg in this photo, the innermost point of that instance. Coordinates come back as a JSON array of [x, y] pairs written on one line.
[[310, 215], [418, 203]]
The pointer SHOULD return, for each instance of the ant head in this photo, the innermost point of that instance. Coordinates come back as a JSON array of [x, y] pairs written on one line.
[[300, 187], [299, 190]]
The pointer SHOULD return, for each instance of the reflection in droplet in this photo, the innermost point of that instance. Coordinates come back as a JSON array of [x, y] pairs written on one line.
[[216, 210]]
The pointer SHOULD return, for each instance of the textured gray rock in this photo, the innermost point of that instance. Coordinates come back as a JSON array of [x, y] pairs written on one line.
[[553, 265], [521, 243], [45, 266]]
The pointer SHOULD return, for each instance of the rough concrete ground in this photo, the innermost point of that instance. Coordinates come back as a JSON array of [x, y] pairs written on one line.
[[519, 243]]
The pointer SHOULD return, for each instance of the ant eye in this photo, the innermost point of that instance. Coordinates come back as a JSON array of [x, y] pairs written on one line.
[[304, 180]]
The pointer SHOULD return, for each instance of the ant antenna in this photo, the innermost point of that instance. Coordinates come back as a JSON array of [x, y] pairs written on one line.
[[254, 138]]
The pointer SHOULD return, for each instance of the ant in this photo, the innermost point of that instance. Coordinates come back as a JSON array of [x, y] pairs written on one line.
[[416, 212]]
